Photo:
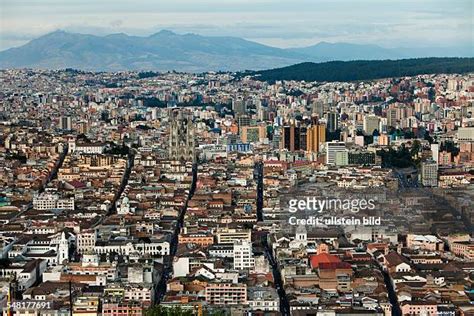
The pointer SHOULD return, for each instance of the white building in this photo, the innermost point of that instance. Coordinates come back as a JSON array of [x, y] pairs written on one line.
[[126, 247], [243, 255], [429, 173], [331, 149], [86, 148], [49, 201], [85, 241], [435, 152]]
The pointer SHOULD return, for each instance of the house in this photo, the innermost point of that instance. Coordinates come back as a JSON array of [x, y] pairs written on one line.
[[395, 262]]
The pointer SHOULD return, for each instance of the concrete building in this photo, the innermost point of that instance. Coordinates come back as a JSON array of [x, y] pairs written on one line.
[[65, 122], [371, 123], [226, 294], [331, 149], [252, 133], [315, 137], [429, 173], [243, 255]]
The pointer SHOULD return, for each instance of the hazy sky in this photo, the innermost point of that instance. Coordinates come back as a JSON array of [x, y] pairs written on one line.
[[389, 23]]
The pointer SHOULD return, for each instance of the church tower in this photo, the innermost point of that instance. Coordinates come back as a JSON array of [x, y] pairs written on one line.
[[182, 136], [63, 248]]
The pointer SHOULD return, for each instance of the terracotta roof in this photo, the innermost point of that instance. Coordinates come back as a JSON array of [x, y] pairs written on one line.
[[316, 260]]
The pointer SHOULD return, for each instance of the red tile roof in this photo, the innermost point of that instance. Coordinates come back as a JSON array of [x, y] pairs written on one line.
[[316, 260]]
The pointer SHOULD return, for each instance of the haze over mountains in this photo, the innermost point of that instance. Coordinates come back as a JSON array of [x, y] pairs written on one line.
[[166, 50]]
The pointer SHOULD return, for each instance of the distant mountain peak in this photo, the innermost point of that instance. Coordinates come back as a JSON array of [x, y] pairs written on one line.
[[163, 33], [121, 34], [56, 33]]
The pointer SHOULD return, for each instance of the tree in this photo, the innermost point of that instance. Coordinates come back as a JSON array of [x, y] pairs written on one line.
[[428, 137], [159, 310], [400, 158], [415, 148]]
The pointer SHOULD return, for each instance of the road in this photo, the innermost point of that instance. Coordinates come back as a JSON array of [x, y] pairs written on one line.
[[160, 287], [258, 173], [123, 184], [284, 304], [392, 296]]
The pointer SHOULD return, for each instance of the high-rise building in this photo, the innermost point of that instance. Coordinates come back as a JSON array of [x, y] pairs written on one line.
[[331, 149], [318, 108], [333, 121], [239, 107], [371, 123], [303, 138], [182, 142], [291, 139], [315, 137], [429, 173], [252, 133], [65, 122], [435, 152], [392, 117]]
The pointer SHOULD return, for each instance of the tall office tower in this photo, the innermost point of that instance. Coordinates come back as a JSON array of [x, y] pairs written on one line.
[[333, 121], [65, 122], [182, 142], [332, 148], [303, 138], [392, 117], [429, 173], [238, 106], [315, 137], [371, 123], [261, 110], [291, 137], [318, 108]]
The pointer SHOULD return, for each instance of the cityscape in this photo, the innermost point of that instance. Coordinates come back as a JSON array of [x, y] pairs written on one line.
[[195, 186]]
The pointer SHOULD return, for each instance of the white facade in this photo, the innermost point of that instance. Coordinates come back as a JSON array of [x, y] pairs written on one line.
[[49, 201], [85, 241], [243, 255], [154, 248], [331, 149]]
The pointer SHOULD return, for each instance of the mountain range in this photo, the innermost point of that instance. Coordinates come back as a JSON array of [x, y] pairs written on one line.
[[167, 50]]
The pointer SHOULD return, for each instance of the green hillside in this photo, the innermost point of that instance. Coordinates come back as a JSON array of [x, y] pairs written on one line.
[[366, 70]]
